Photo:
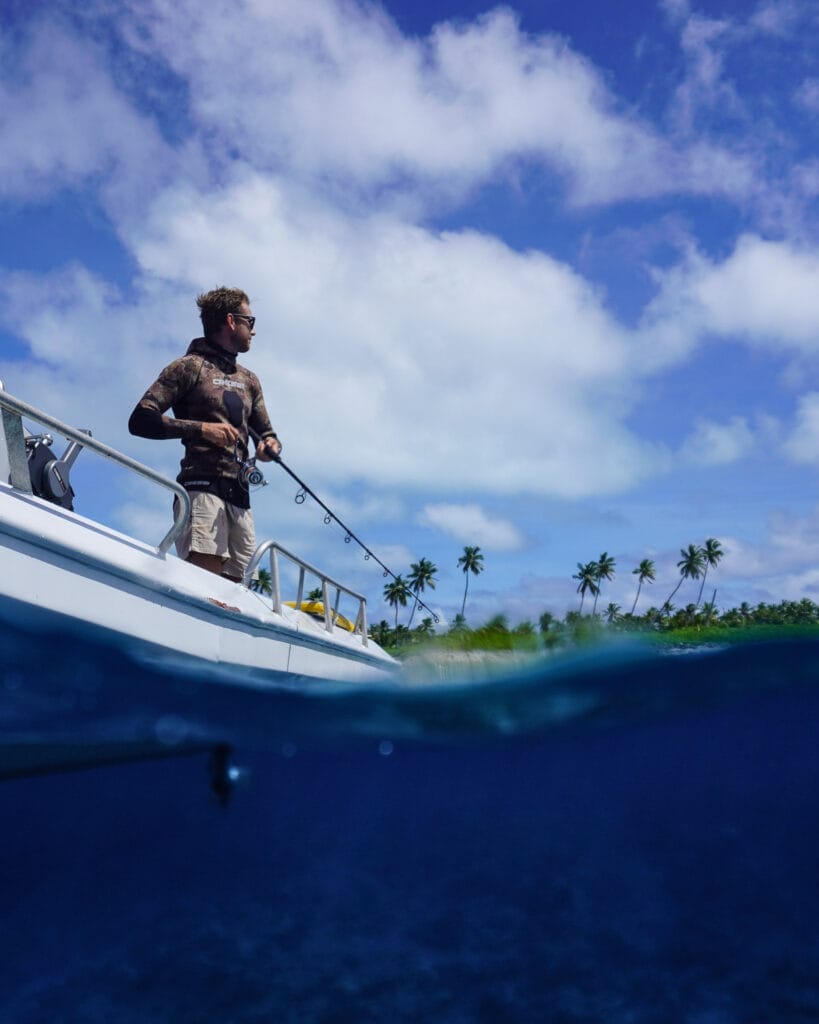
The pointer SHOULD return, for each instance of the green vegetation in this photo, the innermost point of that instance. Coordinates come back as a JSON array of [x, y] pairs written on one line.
[[688, 625], [697, 622], [494, 635]]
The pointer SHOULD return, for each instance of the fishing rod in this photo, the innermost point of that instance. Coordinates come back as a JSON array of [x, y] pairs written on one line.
[[251, 475]]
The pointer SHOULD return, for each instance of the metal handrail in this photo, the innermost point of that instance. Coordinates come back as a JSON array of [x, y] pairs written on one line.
[[275, 549], [17, 408]]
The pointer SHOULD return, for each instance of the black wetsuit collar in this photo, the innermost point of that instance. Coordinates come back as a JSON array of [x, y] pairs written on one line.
[[214, 353]]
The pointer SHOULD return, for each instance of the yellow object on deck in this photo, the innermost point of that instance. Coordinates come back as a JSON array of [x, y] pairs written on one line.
[[316, 609]]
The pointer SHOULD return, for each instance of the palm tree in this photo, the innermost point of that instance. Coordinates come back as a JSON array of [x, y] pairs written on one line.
[[471, 561], [397, 592], [691, 565], [709, 611], [421, 577], [689, 614], [587, 574], [381, 633], [549, 630], [712, 553], [545, 622], [605, 571], [644, 573], [654, 615], [612, 613], [263, 582]]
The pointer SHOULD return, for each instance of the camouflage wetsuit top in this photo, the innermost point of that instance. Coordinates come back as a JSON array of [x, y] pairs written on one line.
[[205, 385]]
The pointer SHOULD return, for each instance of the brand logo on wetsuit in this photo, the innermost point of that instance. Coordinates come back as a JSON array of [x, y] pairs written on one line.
[[226, 382]]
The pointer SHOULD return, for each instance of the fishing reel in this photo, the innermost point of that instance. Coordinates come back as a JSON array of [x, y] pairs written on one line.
[[249, 473]]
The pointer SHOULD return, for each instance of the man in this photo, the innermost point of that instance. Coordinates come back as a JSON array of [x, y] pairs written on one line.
[[215, 403]]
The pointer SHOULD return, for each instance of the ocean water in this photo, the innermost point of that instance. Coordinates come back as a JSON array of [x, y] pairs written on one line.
[[618, 836]]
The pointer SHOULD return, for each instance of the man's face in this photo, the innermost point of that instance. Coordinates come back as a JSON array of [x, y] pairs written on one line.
[[241, 327]]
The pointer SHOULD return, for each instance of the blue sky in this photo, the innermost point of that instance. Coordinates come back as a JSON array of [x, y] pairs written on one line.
[[542, 278]]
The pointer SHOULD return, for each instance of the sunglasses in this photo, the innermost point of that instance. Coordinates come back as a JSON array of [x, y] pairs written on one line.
[[250, 320]]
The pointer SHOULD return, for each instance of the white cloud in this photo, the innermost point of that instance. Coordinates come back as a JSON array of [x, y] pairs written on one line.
[[807, 95], [781, 565], [803, 443], [703, 87], [676, 10], [471, 525], [148, 518], [764, 290], [63, 121], [397, 352], [335, 89], [715, 444], [797, 586], [93, 353], [776, 18], [764, 293], [707, 43], [805, 176], [401, 350], [789, 546]]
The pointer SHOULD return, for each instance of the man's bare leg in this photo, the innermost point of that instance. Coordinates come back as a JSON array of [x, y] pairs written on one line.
[[213, 563]]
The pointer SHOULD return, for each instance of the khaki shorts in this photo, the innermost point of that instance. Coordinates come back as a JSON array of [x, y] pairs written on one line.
[[218, 528]]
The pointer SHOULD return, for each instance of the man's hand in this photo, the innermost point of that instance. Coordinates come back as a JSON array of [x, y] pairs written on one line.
[[269, 448], [220, 434]]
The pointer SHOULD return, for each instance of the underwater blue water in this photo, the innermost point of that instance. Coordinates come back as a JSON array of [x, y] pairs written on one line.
[[617, 837]]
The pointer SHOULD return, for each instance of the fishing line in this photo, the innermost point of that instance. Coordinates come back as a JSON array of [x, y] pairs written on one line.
[[330, 517]]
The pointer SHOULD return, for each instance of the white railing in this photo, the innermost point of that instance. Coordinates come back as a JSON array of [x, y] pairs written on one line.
[[13, 410], [331, 614]]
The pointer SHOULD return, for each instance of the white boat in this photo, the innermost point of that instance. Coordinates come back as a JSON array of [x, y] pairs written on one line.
[[66, 574]]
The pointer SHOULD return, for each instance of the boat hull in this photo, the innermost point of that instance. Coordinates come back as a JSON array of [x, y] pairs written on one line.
[[63, 573]]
